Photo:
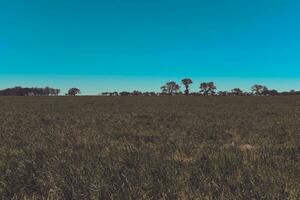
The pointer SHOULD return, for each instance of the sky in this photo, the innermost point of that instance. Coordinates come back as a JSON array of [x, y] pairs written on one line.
[[117, 45]]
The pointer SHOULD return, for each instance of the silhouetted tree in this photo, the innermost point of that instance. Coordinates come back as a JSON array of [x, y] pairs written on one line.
[[149, 94], [115, 94], [237, 91], [186, 82], [164, 89], [208, 88], [136, 93], [223, 93], [273, 92], [170, 88], [258, 89], [19, 91], [54, 92], [124, 93], [73, 91]]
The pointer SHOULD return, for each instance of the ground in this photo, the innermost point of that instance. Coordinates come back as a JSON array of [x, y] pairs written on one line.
[[150, 147]]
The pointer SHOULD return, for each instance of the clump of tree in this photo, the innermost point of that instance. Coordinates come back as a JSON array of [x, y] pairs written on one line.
[[261, 90], [291, 92], [237, 92], [207, 88], [125, 93], [34, 91], [110, 94], [148, 94], [136, 93], [170, 88], [73, 92]]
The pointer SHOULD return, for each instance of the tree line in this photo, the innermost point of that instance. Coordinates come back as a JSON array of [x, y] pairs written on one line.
[[170, 88], [35, 91], [205, 89]]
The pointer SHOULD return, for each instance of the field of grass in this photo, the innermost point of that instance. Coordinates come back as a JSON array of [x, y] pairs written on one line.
[[150, 148]]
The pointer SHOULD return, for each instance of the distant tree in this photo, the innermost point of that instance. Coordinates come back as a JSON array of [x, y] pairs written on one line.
[[124, 93], [19, 91], [51, 91], [46, 91], [56, 92], [164, 89], [273, 92], [265, 91], [258, 89], [73, 91], [115, 94], [237, 91], [186, 82], [212, 87], [136, 93], [170, 88], [207, 88], [203, 88], [152, 94], [223, 93]]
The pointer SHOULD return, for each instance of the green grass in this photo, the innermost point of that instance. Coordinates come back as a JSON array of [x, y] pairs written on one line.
[[149, 148]]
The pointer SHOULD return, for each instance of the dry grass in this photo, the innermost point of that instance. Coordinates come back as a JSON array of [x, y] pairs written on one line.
[[149, 148]]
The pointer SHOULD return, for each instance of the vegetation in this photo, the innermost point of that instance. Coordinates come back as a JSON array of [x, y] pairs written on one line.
[[73, 91], [170, 147], [170, 88], [19, 91], [207, 88], [186, 82]]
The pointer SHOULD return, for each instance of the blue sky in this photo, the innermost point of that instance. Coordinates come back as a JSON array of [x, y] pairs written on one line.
[[116, 45]]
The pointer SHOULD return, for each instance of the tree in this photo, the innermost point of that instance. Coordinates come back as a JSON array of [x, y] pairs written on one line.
[[237, 91], [52, 91], [212, 88], [163, 89], [223, 93], [208, 88], [203, 88], [170, 88], [273, 92], [115, 93], [56, 92], [186, 82], [136, 93], [47, 91], [259, 89], [125, 93], [74, 91]]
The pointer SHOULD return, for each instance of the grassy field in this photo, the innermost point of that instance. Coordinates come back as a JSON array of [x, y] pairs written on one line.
[[150, 148]]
